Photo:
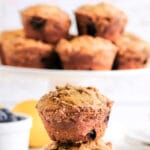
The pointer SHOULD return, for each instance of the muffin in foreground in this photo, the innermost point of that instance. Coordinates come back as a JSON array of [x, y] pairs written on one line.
[[74, 114], [133, 52], [102, 19], [17, 50], [44, 22], [94, 145], [86, 53]]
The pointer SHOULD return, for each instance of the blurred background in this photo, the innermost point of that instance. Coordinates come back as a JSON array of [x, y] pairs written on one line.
[[138, 12]]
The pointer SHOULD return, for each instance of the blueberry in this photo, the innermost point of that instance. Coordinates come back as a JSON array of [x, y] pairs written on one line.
[[37, 22], [91, 135], [91, 30], [7, 116], [19, 118], [106, 119], [12, 118], [3, 116], [5, 110]]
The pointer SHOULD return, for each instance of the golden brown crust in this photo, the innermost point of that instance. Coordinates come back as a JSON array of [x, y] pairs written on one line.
[[7, 35], [73, 96], [11, 34], [94, 145], [20, 51], [101, 20], [74, 114], [44, 11], [133, 52], [101, 9], [87, 53], [47, 23]]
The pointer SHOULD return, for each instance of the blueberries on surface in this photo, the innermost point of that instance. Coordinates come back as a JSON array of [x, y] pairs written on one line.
[[3, 116], [7, 116]]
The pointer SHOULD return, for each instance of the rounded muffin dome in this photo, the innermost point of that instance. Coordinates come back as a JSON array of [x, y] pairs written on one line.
[[74, 114]]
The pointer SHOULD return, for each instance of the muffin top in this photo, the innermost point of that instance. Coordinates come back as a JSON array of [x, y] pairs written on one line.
[[24, 43], [132, 43], [104, 10], [6, 35], [71, 96], [85, 45], [45, 11]]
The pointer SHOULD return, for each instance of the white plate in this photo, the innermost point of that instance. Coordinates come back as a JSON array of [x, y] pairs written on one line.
[[138, 137], [139, 134]]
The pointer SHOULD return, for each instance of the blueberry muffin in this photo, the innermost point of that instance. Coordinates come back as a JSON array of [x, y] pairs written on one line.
[[11, 34], [5, 35], [87, 53], [74, 114], [133, 52], [19, 51], [44, 22], [94, 145], [101, 20]]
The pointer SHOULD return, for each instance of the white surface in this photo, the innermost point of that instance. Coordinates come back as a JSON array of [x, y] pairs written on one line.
[[124, 121], [15, 135], [139, 136]]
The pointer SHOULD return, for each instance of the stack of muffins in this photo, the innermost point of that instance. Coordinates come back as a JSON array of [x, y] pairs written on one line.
[[75, 118], [101, 44]]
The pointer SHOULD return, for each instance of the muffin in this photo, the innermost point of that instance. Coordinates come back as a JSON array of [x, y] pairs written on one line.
[[94, 145], [44, 22], [133, 52], [19, 51], [87, 53], [11, 34], [5, 35], [103, 20], [74, 114]]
